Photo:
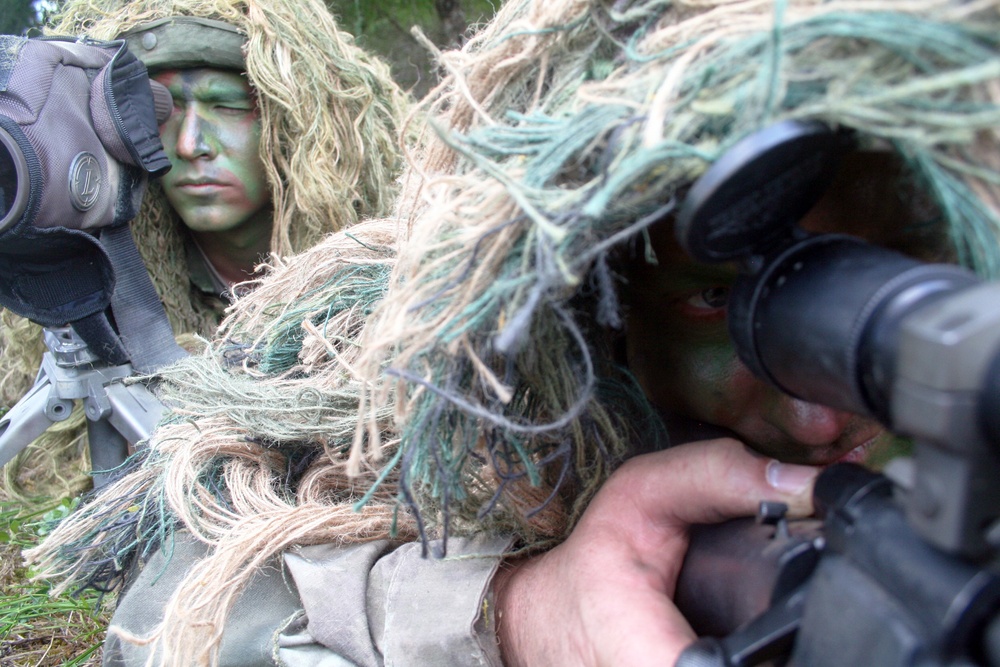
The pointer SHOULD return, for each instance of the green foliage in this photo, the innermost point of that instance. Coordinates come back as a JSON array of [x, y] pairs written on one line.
[[383, 27], [35, 628], [18, 17], [366, 18]]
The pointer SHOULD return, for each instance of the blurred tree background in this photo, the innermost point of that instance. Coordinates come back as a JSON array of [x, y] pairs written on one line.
[[381, 26], [17, 16], [384, 27]]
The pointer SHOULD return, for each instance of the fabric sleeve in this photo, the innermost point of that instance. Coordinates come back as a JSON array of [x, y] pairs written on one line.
[[248, 640], [383, 603]]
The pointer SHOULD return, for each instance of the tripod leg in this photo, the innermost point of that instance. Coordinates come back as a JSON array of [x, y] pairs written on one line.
[[108, 449], [28, 419]]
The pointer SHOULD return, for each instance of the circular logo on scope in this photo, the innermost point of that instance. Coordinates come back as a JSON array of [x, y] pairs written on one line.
[[84, 181]]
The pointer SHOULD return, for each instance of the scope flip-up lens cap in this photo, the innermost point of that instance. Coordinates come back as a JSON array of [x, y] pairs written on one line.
[[14, 181], [759, 189]]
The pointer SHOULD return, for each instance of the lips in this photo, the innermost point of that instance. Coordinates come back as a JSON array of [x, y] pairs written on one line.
[[199, 184], [859, 453]]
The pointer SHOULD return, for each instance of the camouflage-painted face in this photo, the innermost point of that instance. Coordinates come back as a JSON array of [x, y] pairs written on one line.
[[679, 347], [218, 182]]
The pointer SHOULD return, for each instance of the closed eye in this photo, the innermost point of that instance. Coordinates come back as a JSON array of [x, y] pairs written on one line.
[[232, 109]]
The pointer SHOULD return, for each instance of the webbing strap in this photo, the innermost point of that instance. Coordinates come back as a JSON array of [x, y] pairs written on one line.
[[142, 323], [101, 339]]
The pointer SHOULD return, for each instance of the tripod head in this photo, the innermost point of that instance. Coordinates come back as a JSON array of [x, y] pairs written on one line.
[[119, 413]]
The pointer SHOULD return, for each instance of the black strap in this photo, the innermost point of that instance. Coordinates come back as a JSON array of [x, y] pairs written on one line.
[[142, 323], [101, 339]]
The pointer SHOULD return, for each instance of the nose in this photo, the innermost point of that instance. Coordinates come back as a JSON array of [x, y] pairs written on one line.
[[808, 423], [192, 142]]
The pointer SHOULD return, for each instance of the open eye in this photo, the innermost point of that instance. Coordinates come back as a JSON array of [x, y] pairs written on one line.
[[705, 305], [713, 298]]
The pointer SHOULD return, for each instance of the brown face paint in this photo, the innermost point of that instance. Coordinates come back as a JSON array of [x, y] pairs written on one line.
[[218, 182]]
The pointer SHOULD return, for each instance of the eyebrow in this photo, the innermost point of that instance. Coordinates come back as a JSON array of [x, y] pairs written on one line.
[[215, 95], [211, 90], [210, 96]]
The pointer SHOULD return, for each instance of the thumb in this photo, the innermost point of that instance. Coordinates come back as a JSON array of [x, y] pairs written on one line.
[[708, 482]]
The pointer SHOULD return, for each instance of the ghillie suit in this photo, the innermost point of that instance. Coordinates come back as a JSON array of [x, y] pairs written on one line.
[[330, 117], [473, 389]]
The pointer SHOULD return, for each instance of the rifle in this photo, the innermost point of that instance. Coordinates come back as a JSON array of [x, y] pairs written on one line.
[[899, 568]]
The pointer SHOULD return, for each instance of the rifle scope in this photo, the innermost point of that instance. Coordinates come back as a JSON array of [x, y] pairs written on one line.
[[831, 319], [821, 317]]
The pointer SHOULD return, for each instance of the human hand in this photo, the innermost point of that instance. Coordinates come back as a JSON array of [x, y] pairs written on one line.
[[604, 596]]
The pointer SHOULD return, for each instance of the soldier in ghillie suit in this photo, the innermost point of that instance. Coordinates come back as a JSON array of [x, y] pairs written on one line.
[[493, 377], [283, 131]]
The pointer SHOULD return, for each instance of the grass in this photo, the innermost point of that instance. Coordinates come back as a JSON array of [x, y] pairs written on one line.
[[36, 629]]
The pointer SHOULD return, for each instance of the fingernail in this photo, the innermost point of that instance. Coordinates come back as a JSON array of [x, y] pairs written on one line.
[[790, 478]]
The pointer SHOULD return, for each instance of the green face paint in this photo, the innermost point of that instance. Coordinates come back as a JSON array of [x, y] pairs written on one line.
[[218, 182]]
